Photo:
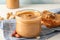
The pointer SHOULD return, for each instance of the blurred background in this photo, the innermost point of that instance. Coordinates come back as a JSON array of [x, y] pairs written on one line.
[[25, 2]]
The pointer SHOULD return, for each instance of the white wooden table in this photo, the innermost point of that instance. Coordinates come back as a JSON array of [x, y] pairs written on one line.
[[4, 10]]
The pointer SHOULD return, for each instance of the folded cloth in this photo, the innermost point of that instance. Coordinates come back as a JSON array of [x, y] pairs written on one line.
[[1, 24], [55, 10], [9, 27]]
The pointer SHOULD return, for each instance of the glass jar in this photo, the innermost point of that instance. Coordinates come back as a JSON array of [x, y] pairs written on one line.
[[12, 4], [28, 27]]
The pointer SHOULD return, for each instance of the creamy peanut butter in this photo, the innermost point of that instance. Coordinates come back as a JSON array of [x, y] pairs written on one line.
[[28, 23], [12, 4], [57, 19]]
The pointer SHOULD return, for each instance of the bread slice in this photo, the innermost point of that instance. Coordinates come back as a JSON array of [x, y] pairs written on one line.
[[50, 19]]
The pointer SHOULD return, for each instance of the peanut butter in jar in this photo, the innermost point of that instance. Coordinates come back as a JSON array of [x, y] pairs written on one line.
[[28, 23], [12, 4]]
